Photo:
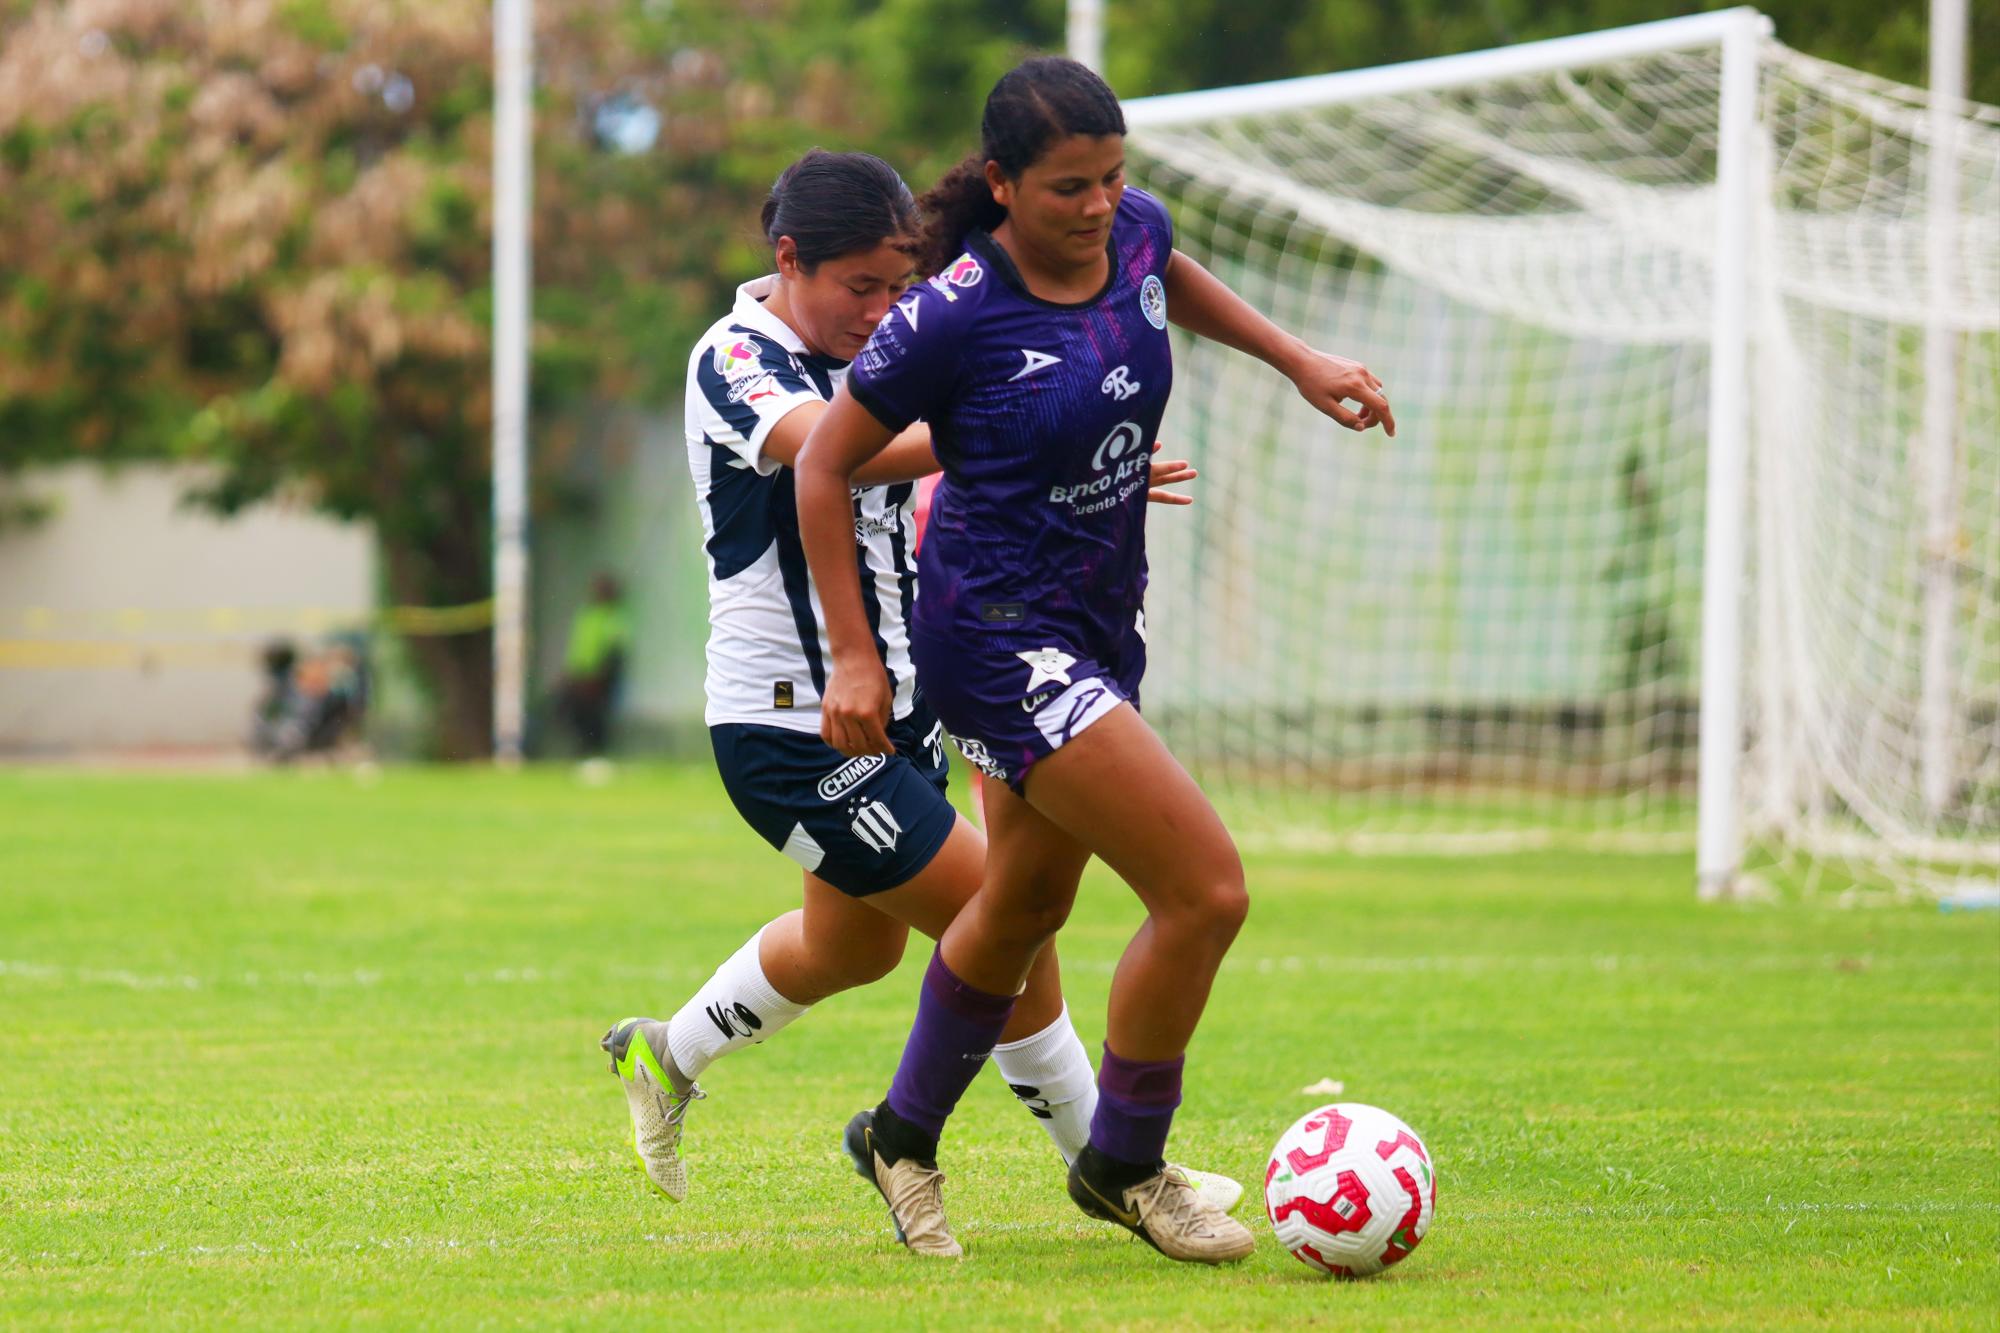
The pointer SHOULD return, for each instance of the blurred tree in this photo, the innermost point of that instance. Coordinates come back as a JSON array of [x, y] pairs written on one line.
[[1155, 46], [255, 233]]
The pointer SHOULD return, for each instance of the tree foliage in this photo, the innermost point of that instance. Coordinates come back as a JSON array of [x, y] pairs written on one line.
[[255, 233]]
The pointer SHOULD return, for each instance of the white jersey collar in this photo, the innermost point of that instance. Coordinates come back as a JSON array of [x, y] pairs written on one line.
[[749, 311]]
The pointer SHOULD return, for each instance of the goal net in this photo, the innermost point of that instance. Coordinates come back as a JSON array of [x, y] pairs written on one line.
[[1488, 632]]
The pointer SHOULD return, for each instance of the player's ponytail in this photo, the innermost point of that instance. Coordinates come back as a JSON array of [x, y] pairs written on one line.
[[1035, 105], [833, 204], [960, 203]]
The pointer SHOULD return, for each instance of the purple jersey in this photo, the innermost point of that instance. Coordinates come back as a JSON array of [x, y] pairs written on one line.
[[1044, 417]]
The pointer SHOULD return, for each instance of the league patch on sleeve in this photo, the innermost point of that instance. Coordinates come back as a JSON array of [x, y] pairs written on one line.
[[753, 387], [737, 356]]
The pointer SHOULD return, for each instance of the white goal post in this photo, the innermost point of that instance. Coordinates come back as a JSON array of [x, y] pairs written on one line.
[[1692, 339]]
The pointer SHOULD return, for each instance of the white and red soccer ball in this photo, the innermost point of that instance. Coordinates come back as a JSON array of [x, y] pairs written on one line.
[[1350, 1190]]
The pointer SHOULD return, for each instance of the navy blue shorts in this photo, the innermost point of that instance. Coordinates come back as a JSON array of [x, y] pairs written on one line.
[[863, 825], [1008, 708]]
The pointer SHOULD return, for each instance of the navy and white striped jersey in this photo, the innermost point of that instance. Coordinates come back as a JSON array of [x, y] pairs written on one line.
[[767, 646]]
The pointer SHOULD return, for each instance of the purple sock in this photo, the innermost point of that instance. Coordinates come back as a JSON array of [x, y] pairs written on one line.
[[955, 1030], [1135, 1107]]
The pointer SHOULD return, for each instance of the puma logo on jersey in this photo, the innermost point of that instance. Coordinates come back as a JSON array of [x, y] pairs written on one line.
[[1120, 384], [1036, 361]]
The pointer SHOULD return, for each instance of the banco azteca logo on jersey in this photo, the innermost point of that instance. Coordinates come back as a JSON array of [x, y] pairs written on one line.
[[1119, 465], [735, 358]]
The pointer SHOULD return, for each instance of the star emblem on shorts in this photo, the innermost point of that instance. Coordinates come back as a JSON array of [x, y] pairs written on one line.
[[1047, 664]]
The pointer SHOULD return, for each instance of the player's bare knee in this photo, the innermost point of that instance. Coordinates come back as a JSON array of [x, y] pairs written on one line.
[[869, 962], [1041, 923], [1228, 907], [1205, 913], [1024, 929]]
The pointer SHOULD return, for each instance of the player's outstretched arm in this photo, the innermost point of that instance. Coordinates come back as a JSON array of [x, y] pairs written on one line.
[[1202, 304], [908, 457], [854, 709]]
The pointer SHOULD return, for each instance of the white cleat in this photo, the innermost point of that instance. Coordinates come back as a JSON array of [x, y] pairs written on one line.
[[1213, 1188], [658, 1095]]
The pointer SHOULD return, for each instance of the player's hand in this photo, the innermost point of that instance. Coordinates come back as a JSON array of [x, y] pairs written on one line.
[[1169, 472], [854, 711], [1330, 382]]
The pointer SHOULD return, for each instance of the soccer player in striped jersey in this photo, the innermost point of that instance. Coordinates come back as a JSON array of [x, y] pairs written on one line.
[[1039, 355], [880, 847]]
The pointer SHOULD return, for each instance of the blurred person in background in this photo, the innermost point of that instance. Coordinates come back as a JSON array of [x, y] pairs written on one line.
[[312, 703], [593, 666]]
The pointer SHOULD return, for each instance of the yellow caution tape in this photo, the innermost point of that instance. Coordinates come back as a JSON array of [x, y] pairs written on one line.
[[44, 622], [70, 654], [112, 638]]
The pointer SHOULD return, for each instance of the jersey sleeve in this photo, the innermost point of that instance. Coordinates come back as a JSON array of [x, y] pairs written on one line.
[[909, 368], [744, 385], [1152, 216]]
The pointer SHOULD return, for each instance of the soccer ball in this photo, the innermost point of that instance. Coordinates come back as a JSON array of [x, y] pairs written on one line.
[[1350, 1190]]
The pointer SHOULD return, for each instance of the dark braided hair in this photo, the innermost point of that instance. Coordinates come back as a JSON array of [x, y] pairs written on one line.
[[833, 204], [1036, 104]]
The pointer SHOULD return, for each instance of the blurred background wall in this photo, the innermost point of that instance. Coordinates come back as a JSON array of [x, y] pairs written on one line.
[[150, 614]]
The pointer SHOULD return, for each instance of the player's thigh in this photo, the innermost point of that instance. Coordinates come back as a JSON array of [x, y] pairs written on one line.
[[1117, 790], [1033, 865], [933, 898]]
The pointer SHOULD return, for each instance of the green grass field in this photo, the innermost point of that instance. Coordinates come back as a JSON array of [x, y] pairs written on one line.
[[294, 1049]]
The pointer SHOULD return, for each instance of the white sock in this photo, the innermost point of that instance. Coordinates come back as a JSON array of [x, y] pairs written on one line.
[[1050, 1073], [736, 1007]]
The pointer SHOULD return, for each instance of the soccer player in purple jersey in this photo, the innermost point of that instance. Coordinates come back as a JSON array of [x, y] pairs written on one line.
[[880, 846], [1038, 353]]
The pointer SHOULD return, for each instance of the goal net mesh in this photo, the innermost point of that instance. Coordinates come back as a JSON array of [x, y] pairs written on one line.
[[1486, 632]]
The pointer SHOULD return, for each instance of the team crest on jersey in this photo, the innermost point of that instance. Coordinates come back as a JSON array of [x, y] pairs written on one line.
[[1153, 300], [736, 358], [876, 825]]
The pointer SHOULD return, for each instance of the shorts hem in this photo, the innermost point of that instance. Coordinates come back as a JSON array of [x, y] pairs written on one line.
[[916, 863]]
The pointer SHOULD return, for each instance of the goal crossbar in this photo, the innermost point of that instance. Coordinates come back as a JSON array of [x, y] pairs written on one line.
[[1439, 72]]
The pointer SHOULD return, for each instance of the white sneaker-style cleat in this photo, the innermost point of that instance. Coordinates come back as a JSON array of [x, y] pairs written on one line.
[[1215, 1189], [657, 1094]]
